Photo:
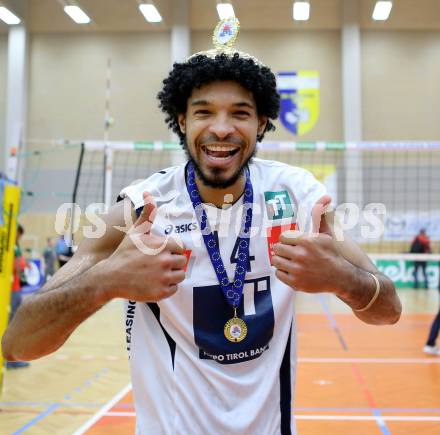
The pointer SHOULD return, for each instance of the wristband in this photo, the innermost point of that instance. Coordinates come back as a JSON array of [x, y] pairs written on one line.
[[376, 294]]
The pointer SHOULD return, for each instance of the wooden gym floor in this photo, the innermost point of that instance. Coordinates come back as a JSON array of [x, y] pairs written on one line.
[[353, 379]]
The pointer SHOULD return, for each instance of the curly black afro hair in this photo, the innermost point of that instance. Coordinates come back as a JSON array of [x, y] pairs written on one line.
[[200, 70]]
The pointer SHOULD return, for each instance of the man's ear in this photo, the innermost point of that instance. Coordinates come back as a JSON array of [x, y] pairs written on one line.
[[182, 122], [262, 122]]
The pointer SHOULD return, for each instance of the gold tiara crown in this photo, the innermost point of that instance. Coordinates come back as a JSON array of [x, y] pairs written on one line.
[[224, 36]]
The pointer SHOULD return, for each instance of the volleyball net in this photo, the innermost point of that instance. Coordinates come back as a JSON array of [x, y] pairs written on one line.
[[384, 192]]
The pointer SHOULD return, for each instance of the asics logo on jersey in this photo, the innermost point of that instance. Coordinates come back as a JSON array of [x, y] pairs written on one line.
[[182, 228], [278, 205]]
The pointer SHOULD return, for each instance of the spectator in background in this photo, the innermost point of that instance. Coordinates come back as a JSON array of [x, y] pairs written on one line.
[[420, 245], [16, 297], [430, 347], [49, 256], [63, 251]]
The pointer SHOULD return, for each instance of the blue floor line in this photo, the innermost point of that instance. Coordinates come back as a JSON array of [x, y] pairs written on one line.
[[87, 383], [42, 404], [332, 321], [381, 423], [36, 419]]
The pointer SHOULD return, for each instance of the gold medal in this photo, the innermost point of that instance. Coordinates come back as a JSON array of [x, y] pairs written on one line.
[[235, 329]]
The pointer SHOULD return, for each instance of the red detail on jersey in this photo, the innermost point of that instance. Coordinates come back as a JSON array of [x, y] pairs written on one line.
[[187, 254], [273, 236]]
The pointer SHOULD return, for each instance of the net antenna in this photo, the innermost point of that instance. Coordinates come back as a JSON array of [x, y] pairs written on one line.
[[108, 150], [75, 193]]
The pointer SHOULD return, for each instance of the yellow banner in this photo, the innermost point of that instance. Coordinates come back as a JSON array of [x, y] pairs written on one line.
[[308, 101], [9, 208], [299, 100], [321, 172], [327, 175]]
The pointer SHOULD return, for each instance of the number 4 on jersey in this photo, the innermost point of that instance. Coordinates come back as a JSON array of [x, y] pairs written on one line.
[[234, 256], [233, 259]]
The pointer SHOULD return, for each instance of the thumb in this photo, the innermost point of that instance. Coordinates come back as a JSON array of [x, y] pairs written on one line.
[[318, 211], [148, 213]]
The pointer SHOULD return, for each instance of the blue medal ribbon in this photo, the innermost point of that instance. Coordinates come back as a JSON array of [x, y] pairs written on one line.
[[232, 291]]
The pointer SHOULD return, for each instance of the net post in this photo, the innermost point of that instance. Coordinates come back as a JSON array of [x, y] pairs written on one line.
[[75, 190], [353, 188]]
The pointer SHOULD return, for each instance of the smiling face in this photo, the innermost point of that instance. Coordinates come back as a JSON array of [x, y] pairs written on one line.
[[221, 125]]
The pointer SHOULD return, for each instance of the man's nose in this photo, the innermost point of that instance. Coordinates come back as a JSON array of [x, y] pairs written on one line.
[[221, 126]]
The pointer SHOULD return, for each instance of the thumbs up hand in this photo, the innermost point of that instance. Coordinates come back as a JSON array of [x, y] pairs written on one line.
[[311, 262], [146, 267], [319, 224], [146, 217]]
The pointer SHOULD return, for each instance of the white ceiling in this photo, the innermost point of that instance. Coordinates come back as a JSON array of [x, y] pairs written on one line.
[[44, 16]]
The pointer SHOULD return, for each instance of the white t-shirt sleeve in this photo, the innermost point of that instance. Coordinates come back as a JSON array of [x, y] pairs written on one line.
[[135, 191], [307, 191]]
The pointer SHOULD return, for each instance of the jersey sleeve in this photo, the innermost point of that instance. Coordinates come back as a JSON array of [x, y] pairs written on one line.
[[308, 191], [135, 191], [160, 185]]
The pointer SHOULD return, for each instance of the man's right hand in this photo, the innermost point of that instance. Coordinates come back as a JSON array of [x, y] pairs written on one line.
[[144, 267], [136, 266]]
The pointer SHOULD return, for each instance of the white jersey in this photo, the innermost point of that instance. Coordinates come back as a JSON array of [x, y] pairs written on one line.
[[187, 378]]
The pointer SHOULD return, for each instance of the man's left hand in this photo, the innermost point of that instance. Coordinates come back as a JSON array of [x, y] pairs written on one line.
[[311, 262]]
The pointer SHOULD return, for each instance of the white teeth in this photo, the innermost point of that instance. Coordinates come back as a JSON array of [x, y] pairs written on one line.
[[220, 148]]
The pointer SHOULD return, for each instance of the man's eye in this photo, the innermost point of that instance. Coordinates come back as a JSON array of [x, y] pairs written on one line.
[[202, 112], [242, 114]]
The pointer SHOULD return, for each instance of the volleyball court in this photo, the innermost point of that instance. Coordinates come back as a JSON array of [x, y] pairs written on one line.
[[352, 378]]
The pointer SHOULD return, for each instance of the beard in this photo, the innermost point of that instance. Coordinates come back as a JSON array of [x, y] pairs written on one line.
[[215, 180]]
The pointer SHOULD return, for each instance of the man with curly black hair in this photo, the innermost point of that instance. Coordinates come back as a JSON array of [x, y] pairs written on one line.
[[201, 70], [208, 273], [196, 76]]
